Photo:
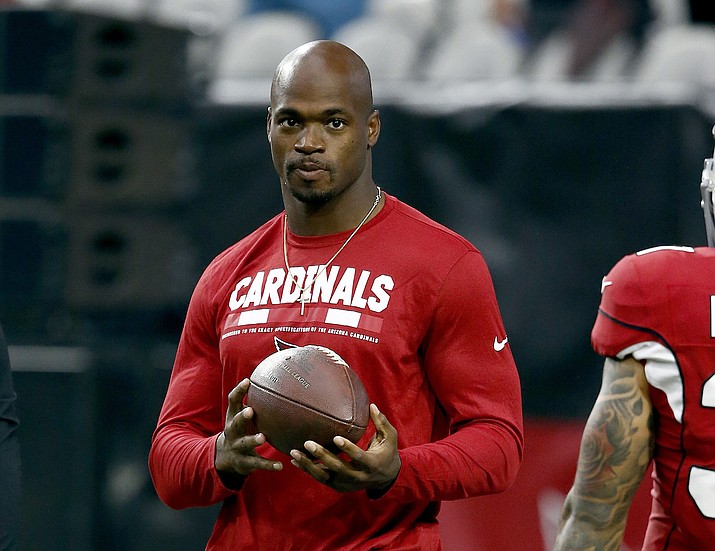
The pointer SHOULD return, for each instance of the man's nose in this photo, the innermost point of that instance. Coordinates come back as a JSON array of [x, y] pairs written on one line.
[[310, 139]]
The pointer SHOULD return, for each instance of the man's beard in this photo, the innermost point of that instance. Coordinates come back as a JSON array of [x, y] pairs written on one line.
[[310, 195]]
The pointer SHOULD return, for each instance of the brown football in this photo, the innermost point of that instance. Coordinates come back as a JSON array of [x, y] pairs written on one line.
[[307, 393]]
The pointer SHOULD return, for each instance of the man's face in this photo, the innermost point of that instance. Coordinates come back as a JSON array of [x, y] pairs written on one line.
[[319, 130]]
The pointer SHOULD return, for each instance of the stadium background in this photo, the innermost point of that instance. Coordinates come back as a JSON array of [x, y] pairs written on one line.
[[120, 179]]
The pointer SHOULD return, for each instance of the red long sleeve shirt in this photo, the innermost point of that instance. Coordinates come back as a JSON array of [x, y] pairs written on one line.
[[411, 307]]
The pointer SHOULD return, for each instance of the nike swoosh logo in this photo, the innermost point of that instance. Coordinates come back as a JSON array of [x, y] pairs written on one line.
[[499, 345]]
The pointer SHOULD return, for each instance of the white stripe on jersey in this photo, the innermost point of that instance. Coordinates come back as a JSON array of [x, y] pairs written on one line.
[[665, 248], [701, 486], [661, 371]]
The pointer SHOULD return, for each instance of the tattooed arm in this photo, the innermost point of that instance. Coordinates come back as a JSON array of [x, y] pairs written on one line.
[[616, 449]]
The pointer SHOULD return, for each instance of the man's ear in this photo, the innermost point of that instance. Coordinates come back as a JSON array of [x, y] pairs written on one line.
[[268, 124], [373, 128]]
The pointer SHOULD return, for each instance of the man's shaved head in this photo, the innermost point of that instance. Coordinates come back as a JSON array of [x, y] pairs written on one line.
[[322, 125], [326, 58]]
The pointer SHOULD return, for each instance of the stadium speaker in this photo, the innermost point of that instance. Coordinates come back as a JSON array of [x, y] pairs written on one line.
[[90, 56], [56, 403], [128, 262], [32, 269], [129, 159], [35, 51], [34, 148], [130, 60]]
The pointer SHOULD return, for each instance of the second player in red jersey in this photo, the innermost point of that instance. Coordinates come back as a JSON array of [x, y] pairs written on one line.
[[656, 329]]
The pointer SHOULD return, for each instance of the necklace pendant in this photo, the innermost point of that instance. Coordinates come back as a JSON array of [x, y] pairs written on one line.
[[304, 291], [304, 297]]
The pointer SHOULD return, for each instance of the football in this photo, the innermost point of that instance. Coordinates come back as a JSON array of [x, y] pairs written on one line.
[[307, 393]]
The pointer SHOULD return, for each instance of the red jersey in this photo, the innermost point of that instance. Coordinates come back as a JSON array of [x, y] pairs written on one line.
[[410, 306], [658, 306]]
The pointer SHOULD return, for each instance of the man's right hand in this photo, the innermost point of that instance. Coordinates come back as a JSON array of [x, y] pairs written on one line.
[[236, 455]]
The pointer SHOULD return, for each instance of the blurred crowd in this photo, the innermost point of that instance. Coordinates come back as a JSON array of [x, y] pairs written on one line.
[[443, 40]]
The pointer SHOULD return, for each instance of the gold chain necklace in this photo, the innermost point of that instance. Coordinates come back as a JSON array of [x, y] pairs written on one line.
[[304, 290]]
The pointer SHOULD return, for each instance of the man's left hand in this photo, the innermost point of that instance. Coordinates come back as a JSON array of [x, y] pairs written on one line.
[[373, 469]]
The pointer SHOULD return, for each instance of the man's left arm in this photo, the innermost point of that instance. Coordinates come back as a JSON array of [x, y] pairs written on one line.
[[473, 375]]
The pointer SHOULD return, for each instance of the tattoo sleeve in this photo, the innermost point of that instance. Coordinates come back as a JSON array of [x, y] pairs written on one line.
[[616, 448]]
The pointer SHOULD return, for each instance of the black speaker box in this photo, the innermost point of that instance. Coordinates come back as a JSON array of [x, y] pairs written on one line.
[[32, 275], [129, 262], [34, 148], [122, 158], [90, 56]]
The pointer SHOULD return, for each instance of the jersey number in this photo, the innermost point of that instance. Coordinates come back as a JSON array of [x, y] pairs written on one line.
[[701, 481]]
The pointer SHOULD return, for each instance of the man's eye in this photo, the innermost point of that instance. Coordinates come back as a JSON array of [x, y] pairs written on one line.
[[336, 124], [288, 122]]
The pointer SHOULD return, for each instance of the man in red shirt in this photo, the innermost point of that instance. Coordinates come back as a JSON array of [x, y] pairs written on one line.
[[656, 327], [406, 302]]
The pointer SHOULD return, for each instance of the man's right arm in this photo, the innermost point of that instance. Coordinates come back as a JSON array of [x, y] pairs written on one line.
[[201, 450], [181, 457], [616, 449]]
